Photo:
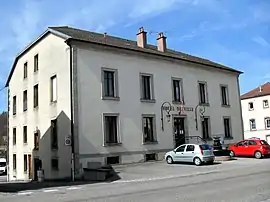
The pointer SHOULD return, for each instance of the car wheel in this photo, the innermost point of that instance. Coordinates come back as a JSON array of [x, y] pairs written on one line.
[[197, 161], [169, 160], [232, 154], [258, 155]]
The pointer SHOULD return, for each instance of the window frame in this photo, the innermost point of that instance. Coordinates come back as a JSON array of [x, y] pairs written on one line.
[[266, 119], [230, 127], [14, 162], [54, 168], [25, 70], [144, 98], [206, 99], [52, 99], [14, 136], [25, 100], [115, 84], [249, 108], [227, 100], [36, 63], [181, 91], [36, 96], [25, 163], [118, 134], [250, 124], [209, 127], [264, 104], [14, 105], [176, 150], [154, 130], [54, 134], [25, 135]]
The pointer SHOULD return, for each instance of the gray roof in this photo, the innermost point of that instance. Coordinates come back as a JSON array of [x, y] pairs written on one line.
[[70, 33]]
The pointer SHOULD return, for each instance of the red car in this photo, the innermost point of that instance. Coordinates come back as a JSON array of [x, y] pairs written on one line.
[[251, 147]]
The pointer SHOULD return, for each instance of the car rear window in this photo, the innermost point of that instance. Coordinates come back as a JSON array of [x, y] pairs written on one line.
[[263, 142], [205, 147], [3, 164]]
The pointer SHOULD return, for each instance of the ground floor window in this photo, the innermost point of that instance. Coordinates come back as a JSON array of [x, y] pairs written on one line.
[[149, 131], [55, 164], [206, 128], [111, 129], [267, 122], [227, 127]]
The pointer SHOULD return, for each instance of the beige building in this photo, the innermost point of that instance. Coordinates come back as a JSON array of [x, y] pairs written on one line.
[[256, 112], [130, 102]]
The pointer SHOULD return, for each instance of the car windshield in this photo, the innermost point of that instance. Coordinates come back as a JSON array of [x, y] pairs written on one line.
[[205, 147], [263, 142], [3, 164]]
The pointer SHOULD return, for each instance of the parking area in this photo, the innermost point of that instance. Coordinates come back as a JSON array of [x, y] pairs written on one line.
[[160, 169]]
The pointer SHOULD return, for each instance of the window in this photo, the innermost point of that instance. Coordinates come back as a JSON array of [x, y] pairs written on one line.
[[265, 104], [109, 83], [55, 164], [25, 100], [267, 122], [25, 70], [263, 142], [36, 63], [149, 129], [203, 93], [53, 88], [14, 136], [24, 134], [147, 90], [206, 128], [177, 90], [181, 148], [36, 141], [242, 143], [224, 95], [36, 96], [54, 135], [111, 129], [250, 106], [14, 162], [190, 148], [227, 127], [25, 163], [111, 160], [251, 142], [252, 124], [14, 105]]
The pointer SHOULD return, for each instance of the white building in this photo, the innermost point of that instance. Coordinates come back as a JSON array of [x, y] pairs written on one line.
[[118, 87], [256, 112]]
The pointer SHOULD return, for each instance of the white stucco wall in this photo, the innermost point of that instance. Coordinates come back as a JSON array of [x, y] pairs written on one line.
[[130, 108], [53, 60], [259, 113]]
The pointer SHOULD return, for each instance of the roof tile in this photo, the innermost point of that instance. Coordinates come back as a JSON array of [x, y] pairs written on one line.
[[262, 90]]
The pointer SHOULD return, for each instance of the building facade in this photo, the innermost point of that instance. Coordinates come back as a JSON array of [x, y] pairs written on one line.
[[256, 112], [129, 101]]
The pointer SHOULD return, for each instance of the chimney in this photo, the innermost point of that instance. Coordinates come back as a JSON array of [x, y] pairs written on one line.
[[161, 42], [141, 38], [260, 89]]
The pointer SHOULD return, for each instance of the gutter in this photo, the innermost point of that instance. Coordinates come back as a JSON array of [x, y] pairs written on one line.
[[71, 110]]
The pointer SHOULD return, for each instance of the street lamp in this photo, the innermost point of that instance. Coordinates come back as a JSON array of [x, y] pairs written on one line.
[[201, 110], [168, 110]]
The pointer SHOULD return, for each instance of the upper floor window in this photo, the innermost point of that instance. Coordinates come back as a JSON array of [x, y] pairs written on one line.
[[36, 141], [177, 90], [14, 136], [36, 96], [53, 88], [36, 63], [14, 103], [110, 83], [265, 104], [267, 122], [224, 95], [250, 106], [252, 124], [203, 98], [25, 100], [147, 87], [25, 67], [24, 134]]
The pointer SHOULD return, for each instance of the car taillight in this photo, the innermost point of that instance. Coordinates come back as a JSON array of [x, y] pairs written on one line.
[[201, 151]]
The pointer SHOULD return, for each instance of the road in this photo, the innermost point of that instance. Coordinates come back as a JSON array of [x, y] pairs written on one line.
[[233, 181]]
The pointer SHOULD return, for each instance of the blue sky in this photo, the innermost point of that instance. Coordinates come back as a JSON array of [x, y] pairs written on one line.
[[232, 32]]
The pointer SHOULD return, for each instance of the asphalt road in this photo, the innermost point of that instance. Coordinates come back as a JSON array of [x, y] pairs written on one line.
[[234, 181]]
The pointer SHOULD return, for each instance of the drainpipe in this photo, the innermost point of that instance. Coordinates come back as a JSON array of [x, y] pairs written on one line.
[[71, 109]]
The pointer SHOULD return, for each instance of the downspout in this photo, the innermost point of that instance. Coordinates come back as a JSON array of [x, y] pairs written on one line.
[[240, 104], [7, 159], [71, 110]]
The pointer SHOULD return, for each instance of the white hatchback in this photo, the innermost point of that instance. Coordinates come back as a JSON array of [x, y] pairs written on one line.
[[191, 153]]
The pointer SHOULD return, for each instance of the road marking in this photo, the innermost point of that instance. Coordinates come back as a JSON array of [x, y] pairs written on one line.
[[25, 193], [50, 190], [73, 188]]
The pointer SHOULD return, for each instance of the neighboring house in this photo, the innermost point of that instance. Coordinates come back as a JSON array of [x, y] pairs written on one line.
[[256, 112], [118, 88]]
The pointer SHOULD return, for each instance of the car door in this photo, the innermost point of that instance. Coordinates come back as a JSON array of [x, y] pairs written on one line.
[[251, 148], [189, 153], [179, 153], [240, 148]]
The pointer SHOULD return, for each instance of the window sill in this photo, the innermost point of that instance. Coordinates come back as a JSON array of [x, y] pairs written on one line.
[[14, 115], [150, 143], [266, 107], [226, 106], [148, 101], [25, 143], [110, 98], [36, 149], [112, 144], [251, 109], [36, 108], [53, 102], [228, 138], [25, 110]]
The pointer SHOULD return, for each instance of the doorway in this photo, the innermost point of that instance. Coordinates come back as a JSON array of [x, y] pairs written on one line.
[[37, 166], [179, 131]]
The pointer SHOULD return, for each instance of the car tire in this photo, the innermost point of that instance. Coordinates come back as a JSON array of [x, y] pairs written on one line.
[[197, 161], [232, 154], [169, 160], [258, 155]]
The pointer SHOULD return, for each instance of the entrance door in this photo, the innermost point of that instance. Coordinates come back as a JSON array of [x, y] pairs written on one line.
[[179, 131], [37, 166], [30, 171]]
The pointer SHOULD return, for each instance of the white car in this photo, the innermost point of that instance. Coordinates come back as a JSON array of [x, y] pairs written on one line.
[[191, 153], [3, 166]]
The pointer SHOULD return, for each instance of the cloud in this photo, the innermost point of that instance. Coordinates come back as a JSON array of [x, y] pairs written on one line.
[[261, 41]]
